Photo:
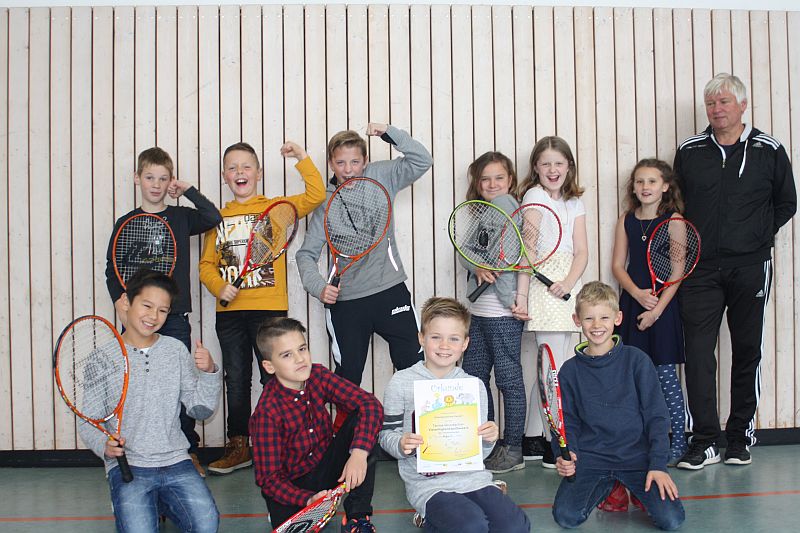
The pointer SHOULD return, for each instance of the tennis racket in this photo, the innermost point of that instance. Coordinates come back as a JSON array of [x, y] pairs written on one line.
[[672, 252], [314, 517], [550, 393], [357, 218], [90, 364], [489, 238], [143, 241], [270, 237]]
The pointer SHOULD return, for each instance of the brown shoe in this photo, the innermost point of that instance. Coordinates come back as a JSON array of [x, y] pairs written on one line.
[[197, 465], [237, 455]]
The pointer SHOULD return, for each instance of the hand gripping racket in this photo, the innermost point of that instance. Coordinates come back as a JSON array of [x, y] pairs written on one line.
[[357, 218], [550, 393], [270, 237], [489, 238], [314, 517], [672, 252], [143, 241], [90, 364]]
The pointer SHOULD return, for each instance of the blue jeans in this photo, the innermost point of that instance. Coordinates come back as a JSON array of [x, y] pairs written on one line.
[[575, 501], [176, 491], [480, 511]]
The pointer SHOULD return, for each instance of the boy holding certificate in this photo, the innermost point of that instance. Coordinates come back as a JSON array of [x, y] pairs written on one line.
[[453, 500]]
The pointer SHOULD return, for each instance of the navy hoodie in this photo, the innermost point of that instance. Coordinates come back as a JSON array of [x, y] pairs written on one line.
[[614, 411]]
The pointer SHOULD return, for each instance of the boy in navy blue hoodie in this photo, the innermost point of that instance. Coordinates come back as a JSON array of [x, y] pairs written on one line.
[[616, 420]]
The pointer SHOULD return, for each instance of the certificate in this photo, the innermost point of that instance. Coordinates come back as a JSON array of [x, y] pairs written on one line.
[[447, 415]]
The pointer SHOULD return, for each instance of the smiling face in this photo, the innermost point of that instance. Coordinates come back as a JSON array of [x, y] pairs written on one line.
[[597, 323], [289, 359], [145, 315], [241, 173], [552, 168], [347, 161], [494, 181], [444, 340], [649, 187], [153, 181]]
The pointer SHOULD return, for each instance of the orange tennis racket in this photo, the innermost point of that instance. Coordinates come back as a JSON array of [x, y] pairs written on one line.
[[143, 241], [270, 237], [90, 364], [314, 517], [357, 218], [550, 392]]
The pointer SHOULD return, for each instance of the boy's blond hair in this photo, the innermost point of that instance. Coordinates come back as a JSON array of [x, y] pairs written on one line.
[[154, 156], [346, 138], [597, 293], [437, 307]]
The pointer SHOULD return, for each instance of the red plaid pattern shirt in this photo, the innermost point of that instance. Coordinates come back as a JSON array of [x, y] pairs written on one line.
[[291, 430]]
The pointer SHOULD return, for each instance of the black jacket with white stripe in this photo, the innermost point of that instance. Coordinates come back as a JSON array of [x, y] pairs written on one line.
[[737, 199]]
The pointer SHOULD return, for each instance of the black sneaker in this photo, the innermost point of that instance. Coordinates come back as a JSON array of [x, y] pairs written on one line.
[[700, 454], [548, 459], [737, 453], [533, 448]]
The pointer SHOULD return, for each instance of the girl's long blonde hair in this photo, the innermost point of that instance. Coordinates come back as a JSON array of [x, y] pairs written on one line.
[[570, 188]]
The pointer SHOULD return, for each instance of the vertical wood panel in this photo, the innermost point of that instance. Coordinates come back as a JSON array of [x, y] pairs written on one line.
[[617, 84]]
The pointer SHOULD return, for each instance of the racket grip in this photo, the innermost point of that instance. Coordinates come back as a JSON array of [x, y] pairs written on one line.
[[474, 295], [237, 284], [567, 457], [335, 282], [124, 468], [547, 281]]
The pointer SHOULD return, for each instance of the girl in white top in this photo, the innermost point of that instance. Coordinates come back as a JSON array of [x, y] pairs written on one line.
[[552, 181]]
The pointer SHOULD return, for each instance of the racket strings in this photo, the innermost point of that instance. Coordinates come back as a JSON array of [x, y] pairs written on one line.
[[673, 251], [485, 235], [541, 232], [271, 233], [144, 242], [92, 369], [357, 218], [312, 517]]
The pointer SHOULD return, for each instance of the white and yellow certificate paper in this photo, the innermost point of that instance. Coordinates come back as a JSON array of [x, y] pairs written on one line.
[[447, 415]]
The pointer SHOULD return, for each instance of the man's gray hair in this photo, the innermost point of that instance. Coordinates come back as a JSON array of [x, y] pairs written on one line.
[[726, 82]]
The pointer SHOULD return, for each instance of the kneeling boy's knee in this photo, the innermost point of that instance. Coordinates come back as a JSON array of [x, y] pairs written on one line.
[[566, 520]]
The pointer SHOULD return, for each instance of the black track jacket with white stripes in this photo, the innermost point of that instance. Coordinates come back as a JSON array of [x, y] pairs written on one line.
[[738, 200]]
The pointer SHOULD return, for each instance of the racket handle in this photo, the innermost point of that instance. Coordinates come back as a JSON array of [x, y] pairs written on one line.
[[474, 295], [567, 457], [335, 282], [124, 468], [547, 281], [237, 284]]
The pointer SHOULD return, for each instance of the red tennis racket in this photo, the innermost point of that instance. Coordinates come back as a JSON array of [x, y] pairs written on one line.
[[314, 517], [357, 218], [550, 393], [270, 237], [672, 252], [90, 365], [143, 241]]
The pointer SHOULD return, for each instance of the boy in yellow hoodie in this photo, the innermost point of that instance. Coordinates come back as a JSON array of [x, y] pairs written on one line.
[[263, 293]]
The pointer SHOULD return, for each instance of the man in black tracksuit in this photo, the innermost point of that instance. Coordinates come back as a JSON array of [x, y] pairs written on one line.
[[739, 190]]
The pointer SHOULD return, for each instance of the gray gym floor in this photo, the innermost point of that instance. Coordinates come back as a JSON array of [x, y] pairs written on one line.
[[763, 496]]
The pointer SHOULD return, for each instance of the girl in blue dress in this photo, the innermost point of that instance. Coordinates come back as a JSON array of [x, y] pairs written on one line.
[[651, 323]]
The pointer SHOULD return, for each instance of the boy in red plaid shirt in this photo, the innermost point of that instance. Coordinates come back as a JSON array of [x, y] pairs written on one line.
[[297, 457]]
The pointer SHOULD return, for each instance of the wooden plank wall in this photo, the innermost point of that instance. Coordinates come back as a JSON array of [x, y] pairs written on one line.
[[86, 89]]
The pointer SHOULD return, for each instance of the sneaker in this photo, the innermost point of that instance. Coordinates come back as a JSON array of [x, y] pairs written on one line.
[[635, 501], [616, 501], [737, 453], [548, 459], [197, 465], [357, 525], [700, 454], [533, 448], [506, 459], [237, 455], [418, 520]]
